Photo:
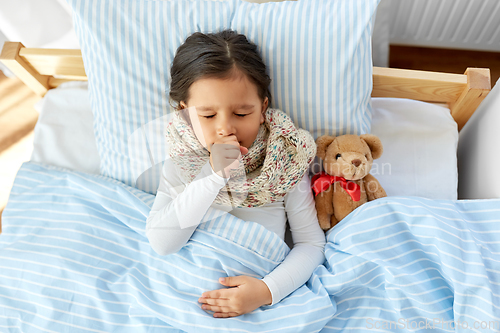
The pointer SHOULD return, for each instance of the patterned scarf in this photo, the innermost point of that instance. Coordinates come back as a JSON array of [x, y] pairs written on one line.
[[274, 164]]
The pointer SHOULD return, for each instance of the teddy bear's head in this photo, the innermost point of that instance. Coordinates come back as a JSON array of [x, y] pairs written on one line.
[[348, 156]]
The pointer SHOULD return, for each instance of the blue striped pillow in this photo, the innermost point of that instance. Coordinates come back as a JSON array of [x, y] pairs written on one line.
[[318, 53]]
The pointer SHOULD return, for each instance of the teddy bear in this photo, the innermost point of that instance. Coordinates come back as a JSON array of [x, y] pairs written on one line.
[[346, 182]]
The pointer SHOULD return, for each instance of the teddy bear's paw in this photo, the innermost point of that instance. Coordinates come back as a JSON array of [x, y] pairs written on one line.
[[380, 193], [333, 221], [324, 222]]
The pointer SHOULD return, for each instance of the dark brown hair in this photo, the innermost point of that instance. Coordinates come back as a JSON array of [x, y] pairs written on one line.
[[216, 55]]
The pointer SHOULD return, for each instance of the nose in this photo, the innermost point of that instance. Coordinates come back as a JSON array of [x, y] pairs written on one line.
[[356, 162], [225, 127]]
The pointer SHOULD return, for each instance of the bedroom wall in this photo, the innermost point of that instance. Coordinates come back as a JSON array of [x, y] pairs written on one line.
[[439, 35], [458, 24]]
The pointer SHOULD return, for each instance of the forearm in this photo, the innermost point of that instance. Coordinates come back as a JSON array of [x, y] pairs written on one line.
[[171, 222], [309, 242], [294, 271]]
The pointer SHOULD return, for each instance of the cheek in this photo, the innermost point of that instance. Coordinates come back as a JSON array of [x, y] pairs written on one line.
[[198, 128], [248, 131], [198, 131], [255, 131]]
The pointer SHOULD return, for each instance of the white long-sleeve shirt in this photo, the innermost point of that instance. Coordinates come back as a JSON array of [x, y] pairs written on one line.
[[179, 208]]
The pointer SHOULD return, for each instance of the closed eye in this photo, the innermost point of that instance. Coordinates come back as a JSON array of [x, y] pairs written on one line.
[[239, 115]]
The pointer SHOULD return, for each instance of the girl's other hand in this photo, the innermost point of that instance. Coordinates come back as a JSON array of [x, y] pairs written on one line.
[[225, 154], [247, 294]]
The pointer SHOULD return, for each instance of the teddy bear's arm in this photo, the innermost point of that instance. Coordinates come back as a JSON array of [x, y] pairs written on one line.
[[324, 208], [373, 188]]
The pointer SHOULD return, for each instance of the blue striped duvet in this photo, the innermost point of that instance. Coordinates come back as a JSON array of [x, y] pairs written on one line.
[[74, 258]]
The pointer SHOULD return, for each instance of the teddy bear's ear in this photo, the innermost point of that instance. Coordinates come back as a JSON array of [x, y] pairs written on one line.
[[374, 143], [322, 144]]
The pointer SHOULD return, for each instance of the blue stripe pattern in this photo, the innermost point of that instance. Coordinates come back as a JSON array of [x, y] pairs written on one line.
[[74, 256], [318, 53], [404, 264]]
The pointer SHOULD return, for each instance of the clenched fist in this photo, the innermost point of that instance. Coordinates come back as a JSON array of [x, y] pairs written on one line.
[[225, 153]]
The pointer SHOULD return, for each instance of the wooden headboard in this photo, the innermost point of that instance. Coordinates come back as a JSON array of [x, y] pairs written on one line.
[[44, 69]]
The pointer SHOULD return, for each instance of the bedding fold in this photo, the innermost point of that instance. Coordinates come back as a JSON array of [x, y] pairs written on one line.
[[415, 264], [74, 257]]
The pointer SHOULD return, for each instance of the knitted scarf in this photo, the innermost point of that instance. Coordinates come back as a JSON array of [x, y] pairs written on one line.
[[274, 164]]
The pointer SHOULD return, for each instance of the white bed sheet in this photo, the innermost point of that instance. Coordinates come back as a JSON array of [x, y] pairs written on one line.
[[420, 141]]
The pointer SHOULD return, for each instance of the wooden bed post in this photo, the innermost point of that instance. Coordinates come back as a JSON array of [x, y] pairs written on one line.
[[14, 62], [478, 86]]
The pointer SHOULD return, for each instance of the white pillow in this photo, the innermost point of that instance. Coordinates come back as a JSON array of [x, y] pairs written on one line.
[[64, 134], [420, 148]]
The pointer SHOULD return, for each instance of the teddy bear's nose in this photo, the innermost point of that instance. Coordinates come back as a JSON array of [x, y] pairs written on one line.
[[356, 162]]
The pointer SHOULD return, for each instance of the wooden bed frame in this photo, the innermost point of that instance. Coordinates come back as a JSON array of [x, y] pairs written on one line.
[[44, 69]]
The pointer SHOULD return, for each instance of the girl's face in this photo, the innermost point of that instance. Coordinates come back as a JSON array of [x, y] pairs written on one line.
[[224, 107]]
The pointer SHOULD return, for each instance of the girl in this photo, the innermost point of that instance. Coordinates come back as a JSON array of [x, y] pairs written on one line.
[[223, 130]]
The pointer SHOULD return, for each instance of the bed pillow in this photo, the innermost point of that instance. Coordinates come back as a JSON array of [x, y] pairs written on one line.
[[318, 53], [420, 148], [63, 134]]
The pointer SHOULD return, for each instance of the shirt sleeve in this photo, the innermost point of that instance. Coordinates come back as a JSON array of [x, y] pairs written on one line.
[[179, 208], [308, 243]]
